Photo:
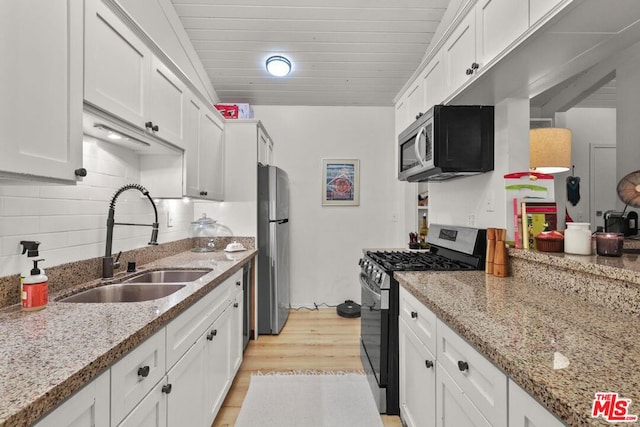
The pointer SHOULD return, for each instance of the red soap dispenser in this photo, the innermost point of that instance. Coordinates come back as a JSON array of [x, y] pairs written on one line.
[[35, 289]]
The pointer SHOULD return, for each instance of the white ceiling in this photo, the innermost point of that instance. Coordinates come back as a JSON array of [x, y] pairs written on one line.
[[344, 52]]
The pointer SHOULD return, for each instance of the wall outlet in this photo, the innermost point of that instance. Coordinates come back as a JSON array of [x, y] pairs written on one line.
[[490, 203], [471, 219], [169, 219]]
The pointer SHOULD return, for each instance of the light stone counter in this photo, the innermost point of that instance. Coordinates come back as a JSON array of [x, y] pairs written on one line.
[[47, 355], [530, 331]]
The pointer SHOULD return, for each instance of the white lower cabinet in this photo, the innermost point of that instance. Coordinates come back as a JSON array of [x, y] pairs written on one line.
[[445, 382], [217, 363], [453, 407], [417, 380], [89, 407], [151, 411], [525, 411]]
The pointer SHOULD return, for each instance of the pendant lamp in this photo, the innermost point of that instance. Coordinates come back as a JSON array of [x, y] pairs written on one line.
[[550, 150]]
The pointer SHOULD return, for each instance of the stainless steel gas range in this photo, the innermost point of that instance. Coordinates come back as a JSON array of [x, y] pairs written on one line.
[[452, 248]]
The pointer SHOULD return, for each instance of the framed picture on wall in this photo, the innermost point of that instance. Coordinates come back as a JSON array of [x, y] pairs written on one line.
[[341, 182]]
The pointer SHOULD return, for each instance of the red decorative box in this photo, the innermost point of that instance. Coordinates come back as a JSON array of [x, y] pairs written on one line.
[[228, 111]]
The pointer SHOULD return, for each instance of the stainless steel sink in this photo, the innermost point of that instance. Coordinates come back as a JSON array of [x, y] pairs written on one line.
[[167, 276], [124, 293]]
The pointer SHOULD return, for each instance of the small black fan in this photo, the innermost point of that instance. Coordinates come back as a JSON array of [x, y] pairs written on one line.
[[573, 187]]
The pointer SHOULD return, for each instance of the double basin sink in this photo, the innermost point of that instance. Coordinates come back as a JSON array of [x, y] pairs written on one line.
[[143, 287]]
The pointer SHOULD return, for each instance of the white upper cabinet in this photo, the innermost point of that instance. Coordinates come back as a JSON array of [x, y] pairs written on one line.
[[433, 82], [211, 160], [498, 24], [265, 148], [402, 115], [125, 79], [116, 65], [41, 89], [415, 100], [459, 54], [539, 8]]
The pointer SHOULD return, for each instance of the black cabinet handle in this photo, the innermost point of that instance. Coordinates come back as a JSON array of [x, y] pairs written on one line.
[[155, 128], [149, 125], [475, 66], [469, 71], [429, 363], [463, 366], [80, 172], [418, 116], [212, 334], [167, 388], [414, 314], [235, 305], [143, 371], [203, 193], [238, 283]]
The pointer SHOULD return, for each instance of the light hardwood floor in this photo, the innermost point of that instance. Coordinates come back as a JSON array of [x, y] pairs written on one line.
[[311, 340]]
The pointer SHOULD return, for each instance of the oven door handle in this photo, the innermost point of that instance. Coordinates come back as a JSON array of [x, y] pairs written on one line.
[[381, 299]]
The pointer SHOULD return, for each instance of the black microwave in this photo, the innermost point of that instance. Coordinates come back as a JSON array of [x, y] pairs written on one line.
[[448, 141]]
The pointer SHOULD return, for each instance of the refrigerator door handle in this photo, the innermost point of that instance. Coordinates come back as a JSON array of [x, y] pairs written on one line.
[[279, 221]]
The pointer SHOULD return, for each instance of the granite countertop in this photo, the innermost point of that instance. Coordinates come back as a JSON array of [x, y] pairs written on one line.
[[559, 348], [47, 355]]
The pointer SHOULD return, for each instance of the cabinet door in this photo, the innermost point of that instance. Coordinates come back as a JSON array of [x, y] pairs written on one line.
[[117, 65], [217, 363], [166, 103], [236, 334], [185, 402], [135, 374], [41, 88], [402, 115], [263, 147], [417, 381], [421, 320], [525, 411], [193, 112], [454, 409], [151, 411], [498, 24], [539, 8], [415, 99], [87, 408], [483, 383], [459, 53], [434, 92], [211, 159]]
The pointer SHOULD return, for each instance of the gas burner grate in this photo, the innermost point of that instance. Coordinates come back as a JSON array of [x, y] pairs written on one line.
[[416, 261]]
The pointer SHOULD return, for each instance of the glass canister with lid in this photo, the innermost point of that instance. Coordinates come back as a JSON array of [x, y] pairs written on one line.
[[204, 230], [577, 238]]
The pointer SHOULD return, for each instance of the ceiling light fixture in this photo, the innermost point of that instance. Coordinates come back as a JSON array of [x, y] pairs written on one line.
[[549, 150], [278, 66]]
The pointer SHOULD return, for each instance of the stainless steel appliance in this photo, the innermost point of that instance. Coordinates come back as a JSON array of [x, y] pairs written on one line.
[[273, 249], [448, 141], [452, 249]]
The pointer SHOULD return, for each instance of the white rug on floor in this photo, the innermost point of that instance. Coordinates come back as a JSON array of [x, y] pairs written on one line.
[[316, 400]]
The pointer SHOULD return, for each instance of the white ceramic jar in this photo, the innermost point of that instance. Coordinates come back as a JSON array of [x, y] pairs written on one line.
[[577, 238]]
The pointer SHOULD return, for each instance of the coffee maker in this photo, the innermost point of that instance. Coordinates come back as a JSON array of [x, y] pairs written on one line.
[[621, 222]]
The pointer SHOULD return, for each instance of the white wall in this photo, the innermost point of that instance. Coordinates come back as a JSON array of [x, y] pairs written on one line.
[[588, 126], [70, 221], [327, 241]]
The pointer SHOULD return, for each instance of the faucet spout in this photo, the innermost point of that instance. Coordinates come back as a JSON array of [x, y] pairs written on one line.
[[108, 263]]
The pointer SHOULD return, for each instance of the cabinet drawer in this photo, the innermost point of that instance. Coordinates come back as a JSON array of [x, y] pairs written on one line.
[[135, 375], [185, 329], [483, 383], [419, 318], [453, 407]]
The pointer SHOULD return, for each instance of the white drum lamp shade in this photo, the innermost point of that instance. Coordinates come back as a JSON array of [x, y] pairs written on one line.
[[550, 150]]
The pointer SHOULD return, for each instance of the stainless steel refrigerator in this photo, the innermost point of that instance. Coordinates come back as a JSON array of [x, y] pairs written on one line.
[[273, 249]]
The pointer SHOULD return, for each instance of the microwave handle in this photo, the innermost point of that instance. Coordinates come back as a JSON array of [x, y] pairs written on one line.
[[416, 145]]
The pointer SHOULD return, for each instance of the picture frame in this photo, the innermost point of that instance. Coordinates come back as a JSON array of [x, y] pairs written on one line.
[[340, 182]]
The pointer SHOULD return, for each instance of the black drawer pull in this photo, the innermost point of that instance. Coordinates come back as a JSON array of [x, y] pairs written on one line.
[[414, 314], [235, 305], [238, 283], [167, 388], [80, 172], [143, 371], [212, 334], [475, 66], [463, 366], [429, 363]]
